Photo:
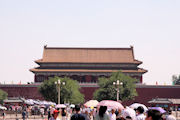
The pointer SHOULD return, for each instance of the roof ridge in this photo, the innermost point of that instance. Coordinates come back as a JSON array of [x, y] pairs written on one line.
[[119, 48]]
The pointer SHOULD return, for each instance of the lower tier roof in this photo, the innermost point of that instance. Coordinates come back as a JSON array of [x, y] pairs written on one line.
[[36, 70]]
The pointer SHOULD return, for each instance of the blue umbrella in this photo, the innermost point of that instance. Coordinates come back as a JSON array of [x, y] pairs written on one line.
[[160, 109]]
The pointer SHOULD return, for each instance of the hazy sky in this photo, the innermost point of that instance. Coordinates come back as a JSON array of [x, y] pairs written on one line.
[[152, 27]]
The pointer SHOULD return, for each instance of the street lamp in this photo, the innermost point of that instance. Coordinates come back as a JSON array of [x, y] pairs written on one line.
[[117, 84], [58, 83]]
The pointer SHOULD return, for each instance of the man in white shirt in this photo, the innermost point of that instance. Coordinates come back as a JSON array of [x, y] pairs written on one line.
[[170, 116], [112, 115], [140, 113]]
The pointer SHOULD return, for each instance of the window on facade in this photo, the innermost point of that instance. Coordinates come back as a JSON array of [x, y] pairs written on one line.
[[40, 78], [93, 79], [75, 77], [83, 79]]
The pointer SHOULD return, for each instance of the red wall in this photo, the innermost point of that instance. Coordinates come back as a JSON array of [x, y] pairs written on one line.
[[22, 91], [88, 92], [145, 93]]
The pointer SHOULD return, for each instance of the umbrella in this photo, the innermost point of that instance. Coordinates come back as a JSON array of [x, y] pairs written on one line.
[[72, 106], [43, 102], [129, 112], [136, 105], [37, 102], [3, 108], [48, 103], [91, 103], [160, 109], [60, 106], [42, 106], [29, 101], [111, 104]]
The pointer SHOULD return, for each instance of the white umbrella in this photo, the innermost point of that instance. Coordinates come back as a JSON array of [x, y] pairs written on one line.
[[43, 102], [72, 106], [129, 112], [51, 103], [91, 103], [29, 101], [3, 108], [60, 106], [37, 102], [136, 105]]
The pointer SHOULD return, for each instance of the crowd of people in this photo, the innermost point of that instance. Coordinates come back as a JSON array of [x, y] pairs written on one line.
[[104, 113], [83, 112]]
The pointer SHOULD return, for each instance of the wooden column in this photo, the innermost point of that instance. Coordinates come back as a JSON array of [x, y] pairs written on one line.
[[141, 79]]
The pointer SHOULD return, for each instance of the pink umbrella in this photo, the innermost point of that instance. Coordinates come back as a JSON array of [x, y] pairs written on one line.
[[111, 104], [42, 106]]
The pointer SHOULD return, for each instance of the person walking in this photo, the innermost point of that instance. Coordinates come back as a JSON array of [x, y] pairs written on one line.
[[140, 113], [3, 114], [42, 112], [112, 115], [54, 115], [77, 115], [86, 113], [24, 115], [64, 114], [170, 116], [118, 114], [102, 114], [153, 115]]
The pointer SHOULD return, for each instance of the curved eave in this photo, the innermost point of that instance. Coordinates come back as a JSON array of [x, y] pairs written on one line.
[[85, 70], [138, 62], [38, 61], [49, 62], [33, 70]]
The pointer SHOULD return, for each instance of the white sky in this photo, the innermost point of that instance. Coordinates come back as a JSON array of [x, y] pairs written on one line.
[[152, 27]]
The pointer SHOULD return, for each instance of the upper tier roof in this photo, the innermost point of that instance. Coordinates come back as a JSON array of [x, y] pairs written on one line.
[[88, 55]]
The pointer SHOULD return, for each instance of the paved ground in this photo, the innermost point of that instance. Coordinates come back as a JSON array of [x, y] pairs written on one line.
[[19, 117], [38, 117]]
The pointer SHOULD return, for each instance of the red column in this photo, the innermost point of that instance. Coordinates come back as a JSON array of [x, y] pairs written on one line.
[[35, 78], [141, 79]]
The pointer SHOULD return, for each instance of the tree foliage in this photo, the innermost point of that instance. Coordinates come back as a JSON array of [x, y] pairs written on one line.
[[69, 92], [107, 91], [3, 95], [176, 80]]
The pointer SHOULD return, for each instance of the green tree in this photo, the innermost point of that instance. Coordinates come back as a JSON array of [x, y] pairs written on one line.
[[69, 92], [107, 91], [3, 95], [176, 80]]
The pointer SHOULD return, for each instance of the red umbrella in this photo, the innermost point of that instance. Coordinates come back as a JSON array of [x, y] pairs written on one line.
[[111, 104]]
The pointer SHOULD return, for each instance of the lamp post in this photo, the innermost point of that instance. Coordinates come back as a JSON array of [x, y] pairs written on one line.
[[117, 84], [58, 83]]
